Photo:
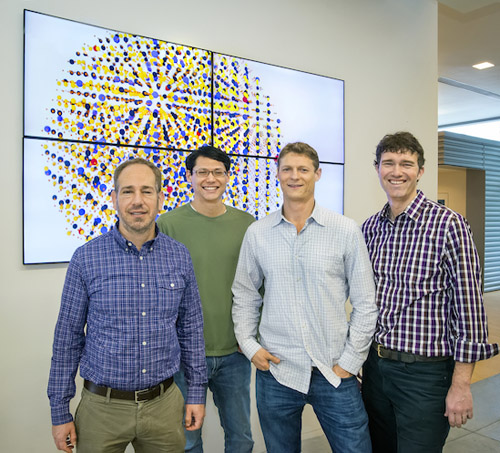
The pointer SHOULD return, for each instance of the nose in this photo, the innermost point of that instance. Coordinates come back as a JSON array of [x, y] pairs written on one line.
[[210, 176], [138, 198]]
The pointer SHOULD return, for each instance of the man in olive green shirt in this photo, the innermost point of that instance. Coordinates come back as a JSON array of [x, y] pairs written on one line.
[[213, 233]]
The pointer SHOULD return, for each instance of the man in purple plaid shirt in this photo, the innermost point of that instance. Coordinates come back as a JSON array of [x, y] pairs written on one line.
[[432, 326], [130, 315]]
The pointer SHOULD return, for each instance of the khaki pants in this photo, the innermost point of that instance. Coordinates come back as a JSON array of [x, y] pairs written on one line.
[[105, 425]]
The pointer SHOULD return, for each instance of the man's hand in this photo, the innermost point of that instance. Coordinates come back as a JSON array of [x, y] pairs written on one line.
[[60, 433], [459, 405], [341, 373], [262, 358], [195, 413]]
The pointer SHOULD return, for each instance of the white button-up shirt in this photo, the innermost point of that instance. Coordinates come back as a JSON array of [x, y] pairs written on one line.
[[308, 278]]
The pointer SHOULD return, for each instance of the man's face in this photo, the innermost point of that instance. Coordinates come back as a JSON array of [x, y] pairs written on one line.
[[136, 200], [399, 174], [297, 177], [208, 188]]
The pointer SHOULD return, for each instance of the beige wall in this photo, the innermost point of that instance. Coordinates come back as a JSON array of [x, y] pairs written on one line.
[[385, 51], [452, 187]]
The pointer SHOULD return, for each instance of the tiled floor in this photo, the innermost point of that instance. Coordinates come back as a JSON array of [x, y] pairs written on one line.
[[481, 434]]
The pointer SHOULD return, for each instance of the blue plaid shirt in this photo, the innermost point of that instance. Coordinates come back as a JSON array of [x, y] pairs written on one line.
[[142, 314]]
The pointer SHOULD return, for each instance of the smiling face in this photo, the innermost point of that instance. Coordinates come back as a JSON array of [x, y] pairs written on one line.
[[297, 177], [399, 173], [209, 188], [137, 202]]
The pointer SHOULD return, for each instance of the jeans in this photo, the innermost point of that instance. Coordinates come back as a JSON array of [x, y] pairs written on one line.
[[340, 412], [229, 381], [406, 404]]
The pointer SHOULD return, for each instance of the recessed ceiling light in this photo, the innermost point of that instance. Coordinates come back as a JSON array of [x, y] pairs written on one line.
[[484, 65]]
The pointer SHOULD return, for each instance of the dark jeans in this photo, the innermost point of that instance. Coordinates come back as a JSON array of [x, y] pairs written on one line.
[[339, 410], [406, 404]]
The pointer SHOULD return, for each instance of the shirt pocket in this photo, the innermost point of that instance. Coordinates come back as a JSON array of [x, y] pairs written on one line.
[[170, 291]]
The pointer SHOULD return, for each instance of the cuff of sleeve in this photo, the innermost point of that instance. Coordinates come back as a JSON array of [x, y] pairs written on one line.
[[468, 352], [196, 394], [350, 363], [250, 348], [61, 415]]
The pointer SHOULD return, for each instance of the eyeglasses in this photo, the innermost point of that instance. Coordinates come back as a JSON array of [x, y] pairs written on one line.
[[203, 172]]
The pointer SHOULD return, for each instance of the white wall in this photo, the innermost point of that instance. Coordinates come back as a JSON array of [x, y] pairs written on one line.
[[385, 50]]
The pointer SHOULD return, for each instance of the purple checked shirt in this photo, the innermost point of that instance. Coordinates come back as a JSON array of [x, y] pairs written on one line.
[[142, 315], [428, 283]]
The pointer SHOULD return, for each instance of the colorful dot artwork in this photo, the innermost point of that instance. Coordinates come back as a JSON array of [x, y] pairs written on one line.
[[125, 96]]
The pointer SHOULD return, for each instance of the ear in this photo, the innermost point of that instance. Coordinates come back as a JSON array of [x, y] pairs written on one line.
[[188, 176], [161, 200], [420, 173], [113, 199], [318, 174]]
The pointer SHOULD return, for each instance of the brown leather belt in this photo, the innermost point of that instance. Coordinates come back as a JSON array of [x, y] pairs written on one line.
[[406, 357], [139, 396]]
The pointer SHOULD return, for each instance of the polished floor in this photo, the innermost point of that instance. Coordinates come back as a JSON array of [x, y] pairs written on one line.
[[481, 434]]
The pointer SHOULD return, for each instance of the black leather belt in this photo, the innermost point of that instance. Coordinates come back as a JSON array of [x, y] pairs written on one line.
[[406, 357], [139, 396]]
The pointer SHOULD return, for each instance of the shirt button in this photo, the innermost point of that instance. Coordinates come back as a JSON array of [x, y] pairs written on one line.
[[143, 313], [141, 257], [130, 244], [144, 343], [142, 285], [144, 371], [171, 285]]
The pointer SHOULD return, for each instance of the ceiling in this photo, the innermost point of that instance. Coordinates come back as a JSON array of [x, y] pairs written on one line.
[[468, 33]]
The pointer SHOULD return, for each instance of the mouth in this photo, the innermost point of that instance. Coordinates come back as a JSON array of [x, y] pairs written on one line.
[[396, 182], [210, 188]]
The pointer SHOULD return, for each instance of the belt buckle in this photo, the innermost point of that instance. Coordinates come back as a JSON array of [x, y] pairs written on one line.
[[379, 353], [137, 395]]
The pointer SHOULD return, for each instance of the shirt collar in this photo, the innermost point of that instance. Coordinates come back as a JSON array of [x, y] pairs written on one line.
[[318, 215], [412, 211], [124, 243]]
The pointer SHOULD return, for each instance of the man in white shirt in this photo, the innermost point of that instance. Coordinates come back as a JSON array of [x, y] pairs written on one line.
[[310, 260]]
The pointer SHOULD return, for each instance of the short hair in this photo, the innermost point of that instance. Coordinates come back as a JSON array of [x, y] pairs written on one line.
[[400, 142], [300, 148], [138, 161], [211, 153]]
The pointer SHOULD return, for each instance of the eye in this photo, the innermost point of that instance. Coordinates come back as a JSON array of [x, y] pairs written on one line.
[[202, 173], [219, 173]]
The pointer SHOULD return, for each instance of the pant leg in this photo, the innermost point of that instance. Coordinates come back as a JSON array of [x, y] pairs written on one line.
[[159, 424], [341, 414], [230, 385], [103, 425], [280, 414], [418, 391], [381, 416], [411, 399], [194, 443]]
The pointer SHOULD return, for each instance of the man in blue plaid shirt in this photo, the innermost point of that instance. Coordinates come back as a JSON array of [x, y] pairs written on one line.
[[130, 314]]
